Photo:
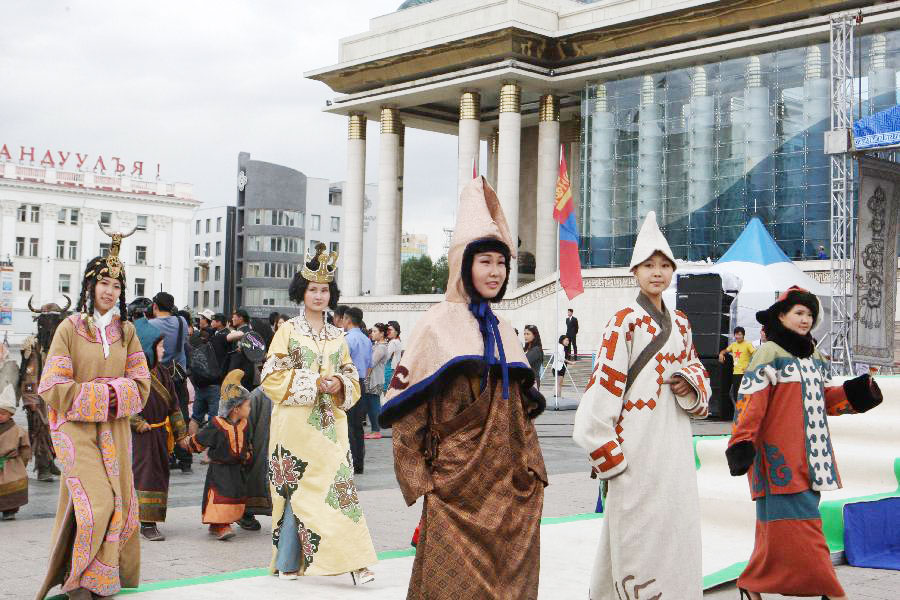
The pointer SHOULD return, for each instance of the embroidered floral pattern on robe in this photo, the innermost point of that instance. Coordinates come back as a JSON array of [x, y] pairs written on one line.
[[285, 471], [342, 494]]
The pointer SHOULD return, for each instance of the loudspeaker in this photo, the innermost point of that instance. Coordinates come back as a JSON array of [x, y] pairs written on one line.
[[709, 345], [709, 322], [703, 302], [699, 282]]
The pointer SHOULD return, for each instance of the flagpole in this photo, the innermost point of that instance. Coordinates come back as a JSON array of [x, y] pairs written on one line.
[[557, 389]]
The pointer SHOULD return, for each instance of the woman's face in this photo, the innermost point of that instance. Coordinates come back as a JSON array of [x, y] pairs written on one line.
[[529, 337], [377, 336], [798, 319], [106, 294], [317, 296], [391, 332], [565, 342], [654, 274], [488, 273], [160, 351], [279, 322]]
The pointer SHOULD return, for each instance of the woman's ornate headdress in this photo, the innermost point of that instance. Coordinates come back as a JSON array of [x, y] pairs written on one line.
[[327, 265], [112, 266]]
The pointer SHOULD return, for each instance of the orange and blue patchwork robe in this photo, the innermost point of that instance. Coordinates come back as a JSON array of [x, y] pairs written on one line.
[[225, 490], [637, 434], [90, 399]]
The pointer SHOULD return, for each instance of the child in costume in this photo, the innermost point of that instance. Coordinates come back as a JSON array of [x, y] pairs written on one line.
[[635, 422], [461, 404], [155, 430], [228, 448], [780, 438], [95, 378], [15, 452]]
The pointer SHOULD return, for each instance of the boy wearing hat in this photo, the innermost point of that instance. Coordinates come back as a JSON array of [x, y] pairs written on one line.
[[15, 452], [228, 447]]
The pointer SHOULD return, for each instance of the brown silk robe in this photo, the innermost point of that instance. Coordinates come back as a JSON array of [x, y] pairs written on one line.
[[482, 474]]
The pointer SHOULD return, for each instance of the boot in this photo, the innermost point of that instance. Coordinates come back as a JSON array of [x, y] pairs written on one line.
[[54, 470], [249, 523], [80, 594], [151, 532], [44, 474]]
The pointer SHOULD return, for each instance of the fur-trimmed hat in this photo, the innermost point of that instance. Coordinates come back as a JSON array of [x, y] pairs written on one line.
[[790, 297], [8, 400], [233, 393], [650, 240]]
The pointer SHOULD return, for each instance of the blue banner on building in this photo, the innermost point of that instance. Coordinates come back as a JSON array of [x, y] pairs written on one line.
[[878, 130]]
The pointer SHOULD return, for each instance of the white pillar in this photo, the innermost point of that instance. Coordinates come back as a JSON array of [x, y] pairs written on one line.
[[386, 215], [547, 173], [469, 137], [398, 228], [508, 166], [179, 263], [157, 256], [492, 144], [603, 162], [47, 289], [89, 247], [354, 203], [650, 153]]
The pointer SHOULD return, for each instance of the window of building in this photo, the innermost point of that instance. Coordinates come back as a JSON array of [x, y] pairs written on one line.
[[65, 283], [333, 246], [73, 250], [104, 249], [73, 216], [316, 223], [205, 298], [24, 281], [60, 249], [140, 255], [196, 249], [20, 246], [207, 225], [142, 222], [218, 248], [216, 298], [196, 273], [33, 247], [196, 299], [197, 227], [140, 284], [35, 213], [206, 248], [22, 213], [61, 216], [218, 272], [335, 223], [218, 224], [257, 217], [106, 218]]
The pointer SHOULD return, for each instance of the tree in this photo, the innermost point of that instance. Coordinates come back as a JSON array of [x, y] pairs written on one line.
[[440, 273], [415, 275]]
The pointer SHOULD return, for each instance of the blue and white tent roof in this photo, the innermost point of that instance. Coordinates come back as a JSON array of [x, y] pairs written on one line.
[[878, 130], [755, 245]]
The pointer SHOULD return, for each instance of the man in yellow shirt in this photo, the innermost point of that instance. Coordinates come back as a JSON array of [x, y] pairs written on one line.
[[741, 350]]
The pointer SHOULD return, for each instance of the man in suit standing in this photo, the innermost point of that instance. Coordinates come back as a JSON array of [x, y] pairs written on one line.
[[572, 332]]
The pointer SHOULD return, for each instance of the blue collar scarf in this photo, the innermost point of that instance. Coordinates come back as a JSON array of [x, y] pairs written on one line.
[[488, 323]]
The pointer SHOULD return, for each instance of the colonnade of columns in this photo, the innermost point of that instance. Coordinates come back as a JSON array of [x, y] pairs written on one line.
[[503, 172]]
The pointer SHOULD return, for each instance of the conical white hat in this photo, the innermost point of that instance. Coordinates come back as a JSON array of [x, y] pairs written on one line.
[[649, 241]]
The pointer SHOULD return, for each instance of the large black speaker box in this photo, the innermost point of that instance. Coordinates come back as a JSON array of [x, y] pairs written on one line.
[[703, 302], [720, 406], [699, 282], [709, 345]]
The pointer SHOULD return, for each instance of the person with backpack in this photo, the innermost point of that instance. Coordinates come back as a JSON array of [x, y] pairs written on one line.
[[240, 322], [207, 359]]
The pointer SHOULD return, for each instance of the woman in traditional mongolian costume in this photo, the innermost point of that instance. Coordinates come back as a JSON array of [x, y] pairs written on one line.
[[635, 422], [461, 404], [155, 430], [780, 438], [318, 523], [95, 378]]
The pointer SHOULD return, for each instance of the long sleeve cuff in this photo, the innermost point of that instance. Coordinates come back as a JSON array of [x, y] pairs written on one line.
[[740, 457], [607, 461], [861, 397]]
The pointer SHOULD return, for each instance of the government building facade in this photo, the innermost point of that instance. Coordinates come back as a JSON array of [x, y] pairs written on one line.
[[707, 112]]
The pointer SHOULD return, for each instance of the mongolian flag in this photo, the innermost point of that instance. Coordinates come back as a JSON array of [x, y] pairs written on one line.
[[564, 214]]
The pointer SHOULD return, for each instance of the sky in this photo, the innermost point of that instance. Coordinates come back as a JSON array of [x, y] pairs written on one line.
[[188, 85]]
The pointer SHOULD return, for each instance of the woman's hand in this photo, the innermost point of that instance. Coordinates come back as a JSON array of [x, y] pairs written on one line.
[[680, 387], [331, 385], [144, 427]]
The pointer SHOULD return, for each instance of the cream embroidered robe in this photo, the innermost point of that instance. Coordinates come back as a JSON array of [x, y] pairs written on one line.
[[94, 541], [638, 436], [309, 450]]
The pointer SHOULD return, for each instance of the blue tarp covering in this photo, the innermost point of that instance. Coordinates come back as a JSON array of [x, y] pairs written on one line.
[[878, 130], [755, 245], [872, 534]]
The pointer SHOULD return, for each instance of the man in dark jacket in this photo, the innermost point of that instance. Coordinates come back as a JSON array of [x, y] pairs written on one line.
[[240, 323], [572, 332]]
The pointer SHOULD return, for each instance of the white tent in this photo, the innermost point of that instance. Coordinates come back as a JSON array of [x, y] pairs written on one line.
[[764, 271]]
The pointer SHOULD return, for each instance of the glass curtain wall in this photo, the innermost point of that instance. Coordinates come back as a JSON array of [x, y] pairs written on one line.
[[710, 146]]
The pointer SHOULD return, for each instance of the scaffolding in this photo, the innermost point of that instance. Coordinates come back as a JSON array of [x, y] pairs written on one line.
[[841, 268]]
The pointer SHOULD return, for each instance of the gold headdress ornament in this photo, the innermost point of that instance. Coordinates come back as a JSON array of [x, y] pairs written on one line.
[[113, 264], [327, 265]]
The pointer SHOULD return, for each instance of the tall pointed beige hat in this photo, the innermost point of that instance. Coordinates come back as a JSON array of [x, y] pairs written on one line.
[[649, 241]]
